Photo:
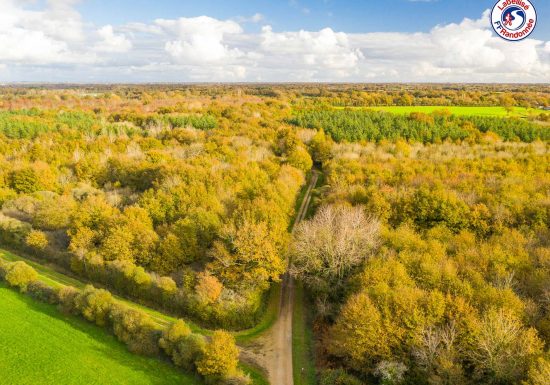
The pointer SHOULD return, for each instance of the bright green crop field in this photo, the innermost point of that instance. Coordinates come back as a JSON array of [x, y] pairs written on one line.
[[460, 111], [40, 346]]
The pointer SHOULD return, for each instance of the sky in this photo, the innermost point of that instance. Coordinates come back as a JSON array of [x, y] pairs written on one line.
[[135, 41]]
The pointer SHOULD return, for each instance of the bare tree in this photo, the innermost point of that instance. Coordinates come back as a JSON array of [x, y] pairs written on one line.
[[503, 347], [327, 247], [438, 354]]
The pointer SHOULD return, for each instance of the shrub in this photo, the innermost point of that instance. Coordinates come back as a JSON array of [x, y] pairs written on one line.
[[13, 231], [188, 351], [42, 292], [20, 275], [135, 329], [237, 379], [67, 299], [181, 345], [94, 304], [172, 335], [338, 377], [4, 266]]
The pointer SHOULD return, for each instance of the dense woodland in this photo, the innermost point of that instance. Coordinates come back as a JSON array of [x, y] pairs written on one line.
[[443, 278], [163, 207], [427, 256]]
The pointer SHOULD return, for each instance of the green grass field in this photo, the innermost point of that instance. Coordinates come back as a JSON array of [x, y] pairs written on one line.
[[56, 279], [39, 345], [460, 111]]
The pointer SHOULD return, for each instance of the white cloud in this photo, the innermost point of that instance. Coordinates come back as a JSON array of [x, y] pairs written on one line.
[[54, 42], [256, 18], [111, 42], [313, 52], [200, 40], [40, 37], [463, 52]]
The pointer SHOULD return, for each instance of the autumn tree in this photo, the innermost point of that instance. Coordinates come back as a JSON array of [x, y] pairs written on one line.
[[208, 288], [37, 240], [539, 373], [359, 335], [54, 213], [321, 147], [220, 356], [246, 255]]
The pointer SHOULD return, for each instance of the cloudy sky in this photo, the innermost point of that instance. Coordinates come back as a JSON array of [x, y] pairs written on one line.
[[265, 40]]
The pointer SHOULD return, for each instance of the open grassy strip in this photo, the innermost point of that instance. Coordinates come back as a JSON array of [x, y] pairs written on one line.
[[455, 110], [57, 279], [315, 195], [268, 319], [302, 341], [40, 345]]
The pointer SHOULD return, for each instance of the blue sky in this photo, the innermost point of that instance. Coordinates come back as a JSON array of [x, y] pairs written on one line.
[[265, 40], [283, 15]]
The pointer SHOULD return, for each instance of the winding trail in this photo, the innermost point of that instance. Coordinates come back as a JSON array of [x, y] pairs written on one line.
[[273, 350]]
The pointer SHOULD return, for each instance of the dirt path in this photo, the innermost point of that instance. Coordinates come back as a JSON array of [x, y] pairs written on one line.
[[273, 350]]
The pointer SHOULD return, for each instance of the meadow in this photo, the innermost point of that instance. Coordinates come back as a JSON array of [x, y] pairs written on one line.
[[39, 345]]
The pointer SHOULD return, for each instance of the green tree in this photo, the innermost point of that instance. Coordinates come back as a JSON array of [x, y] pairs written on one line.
[[25, 181]]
